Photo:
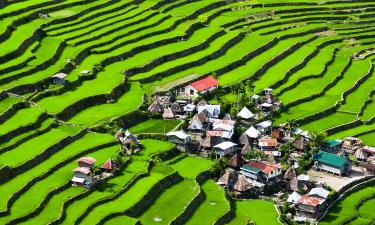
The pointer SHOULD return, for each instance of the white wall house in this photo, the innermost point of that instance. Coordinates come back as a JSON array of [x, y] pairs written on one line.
[[200, 86]]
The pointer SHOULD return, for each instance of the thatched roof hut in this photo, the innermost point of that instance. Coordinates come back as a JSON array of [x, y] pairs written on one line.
[[242, 184], [236, 161], [229, 178], [168, 114], [290, 174]]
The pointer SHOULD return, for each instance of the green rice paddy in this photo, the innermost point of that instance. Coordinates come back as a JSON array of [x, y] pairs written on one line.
[[137, 48]]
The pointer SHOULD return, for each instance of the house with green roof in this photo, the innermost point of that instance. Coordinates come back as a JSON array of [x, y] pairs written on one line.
[[332, 163], [332, 146]]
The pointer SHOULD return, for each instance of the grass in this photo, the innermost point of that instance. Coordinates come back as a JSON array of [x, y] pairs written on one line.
[[346, 207], [259, 211], [129, 101], [214, 205], [155, 126], [167, 206], [184, 167]]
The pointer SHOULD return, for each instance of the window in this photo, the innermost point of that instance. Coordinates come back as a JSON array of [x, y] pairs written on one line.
[[191, 92]]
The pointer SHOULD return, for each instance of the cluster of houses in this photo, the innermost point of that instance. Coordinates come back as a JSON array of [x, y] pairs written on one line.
[[85, 176], [128, 141]]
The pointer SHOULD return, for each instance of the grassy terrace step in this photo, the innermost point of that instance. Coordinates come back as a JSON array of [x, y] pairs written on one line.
[[214, 206], [128, 102], [332, 95], [332, 120], [57, 179], [251, 67], [344, 208], [259, 211], [70, 153], [165, 68], [184, 168], [155, 126], [22, 118], [137, 166], [22, 153], [122, 220], [96, 29], [93, 14], [51, 209], [368, 138], [129, 198], [167, 206]]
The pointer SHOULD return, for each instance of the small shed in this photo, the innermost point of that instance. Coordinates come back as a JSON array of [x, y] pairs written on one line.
[[225, 148], [109, 166], [59, 78]]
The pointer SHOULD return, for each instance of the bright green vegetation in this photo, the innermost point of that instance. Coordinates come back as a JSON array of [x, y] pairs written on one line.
[[345, 208], [259, 211], [168, 206], [213, 206], [185, 168], [155, 126], [134, 49]]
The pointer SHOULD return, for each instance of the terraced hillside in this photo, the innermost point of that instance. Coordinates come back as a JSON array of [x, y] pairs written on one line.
[[318, 55]]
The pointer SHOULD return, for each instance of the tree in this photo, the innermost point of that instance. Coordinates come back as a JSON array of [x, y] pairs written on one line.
[[316, 140], [218, 168]]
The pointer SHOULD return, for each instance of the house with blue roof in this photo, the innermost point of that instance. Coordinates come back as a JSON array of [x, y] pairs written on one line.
[[332, 163]]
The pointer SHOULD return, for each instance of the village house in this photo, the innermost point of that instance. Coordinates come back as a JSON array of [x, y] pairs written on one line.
[[245, 114], [351, 143], [211, 111], [168, 114], [261, 171], [236, 161], [83, 175], [312, 205], [109, 166], [332, 163], [332, 146], [198, 123], [59, 78], [267, 144], [264, 127], [225, 149], [199, 87], [180, 138], [128, 141]]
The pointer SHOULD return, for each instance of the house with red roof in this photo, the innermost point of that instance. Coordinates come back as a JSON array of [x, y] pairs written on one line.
[[200, 86], [261, 170], [109, 166], [86, 162]]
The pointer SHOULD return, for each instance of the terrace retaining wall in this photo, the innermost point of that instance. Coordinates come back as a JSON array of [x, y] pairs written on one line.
[[36, 179], [24, 129], [25, 139]]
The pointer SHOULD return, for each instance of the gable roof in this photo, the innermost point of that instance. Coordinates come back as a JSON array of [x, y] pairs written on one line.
[[294, 197], [267, 142], [330, 159], [168, 114], [245, 113], [109, 165], [265, 167], [225, 145], [87, 159], [60, 75], [205, 83], [236, 161], [252, 132], [179, 134], [83, 170], [311, 201], [319, 192], [242, 184]]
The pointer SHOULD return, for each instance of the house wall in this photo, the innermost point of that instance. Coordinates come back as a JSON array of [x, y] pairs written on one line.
[[88, 178], [307, 208], [329, 168], [273, 174], [190, 88], [82, 164], [249, 175]]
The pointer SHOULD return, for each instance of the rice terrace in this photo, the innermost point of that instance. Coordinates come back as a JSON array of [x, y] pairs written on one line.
[[195, 112]]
